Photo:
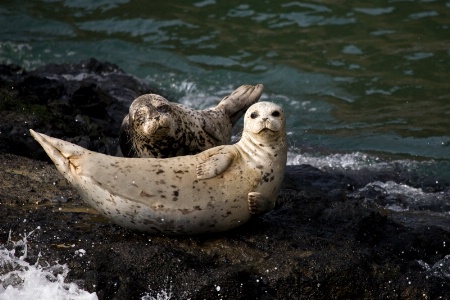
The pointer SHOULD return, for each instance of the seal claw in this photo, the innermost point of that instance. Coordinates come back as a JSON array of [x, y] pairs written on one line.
[[258, 204]]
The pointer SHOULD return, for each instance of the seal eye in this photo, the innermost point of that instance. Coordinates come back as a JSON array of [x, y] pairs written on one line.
[[163, 108], [253, 115], [276, 113]]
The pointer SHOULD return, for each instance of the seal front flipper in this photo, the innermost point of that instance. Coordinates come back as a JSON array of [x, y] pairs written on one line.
[[236, 104], [258, 204], [214, 164]]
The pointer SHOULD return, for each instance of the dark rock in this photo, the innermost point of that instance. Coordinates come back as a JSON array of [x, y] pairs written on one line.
[[85, 101]]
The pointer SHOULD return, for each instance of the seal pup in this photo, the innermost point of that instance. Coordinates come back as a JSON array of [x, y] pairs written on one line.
[[155, 127], [215, 190]]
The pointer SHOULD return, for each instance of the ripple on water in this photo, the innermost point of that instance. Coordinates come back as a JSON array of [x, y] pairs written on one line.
[[375, 11]]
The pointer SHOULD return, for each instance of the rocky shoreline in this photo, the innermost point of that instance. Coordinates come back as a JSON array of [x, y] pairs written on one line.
[[318, 243]]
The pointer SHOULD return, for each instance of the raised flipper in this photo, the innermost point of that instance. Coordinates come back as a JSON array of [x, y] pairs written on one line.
[[215, 163], [236, 104], [258, 204]]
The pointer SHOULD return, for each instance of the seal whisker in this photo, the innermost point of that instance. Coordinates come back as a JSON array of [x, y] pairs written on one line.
[[239, 134]]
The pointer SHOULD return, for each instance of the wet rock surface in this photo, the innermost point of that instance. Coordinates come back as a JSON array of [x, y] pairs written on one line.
[[84, 103], [322, 241]]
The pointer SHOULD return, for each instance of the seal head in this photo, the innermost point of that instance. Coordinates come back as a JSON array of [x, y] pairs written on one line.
[[155, 127]]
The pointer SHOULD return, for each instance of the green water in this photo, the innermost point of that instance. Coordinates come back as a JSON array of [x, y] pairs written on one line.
[[352, 76]]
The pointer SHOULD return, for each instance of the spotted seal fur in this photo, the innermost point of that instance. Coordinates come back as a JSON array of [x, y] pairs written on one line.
[[215, 190], [155, 127]]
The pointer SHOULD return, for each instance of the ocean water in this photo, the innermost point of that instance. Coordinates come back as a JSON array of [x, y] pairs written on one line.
[[364, 84], [371, 77]]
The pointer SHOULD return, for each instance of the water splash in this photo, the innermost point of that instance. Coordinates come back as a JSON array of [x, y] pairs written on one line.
[[20, 280], [162, 295], [440, 269], [346, 161], [165, 292], [401, 197]]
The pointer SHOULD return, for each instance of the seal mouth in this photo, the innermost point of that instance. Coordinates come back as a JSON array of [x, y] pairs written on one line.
[[266, 130], [159, 130], [162, 129]]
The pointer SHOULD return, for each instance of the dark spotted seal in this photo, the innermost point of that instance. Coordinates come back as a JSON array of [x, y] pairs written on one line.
[[155, 127], [215, 190]]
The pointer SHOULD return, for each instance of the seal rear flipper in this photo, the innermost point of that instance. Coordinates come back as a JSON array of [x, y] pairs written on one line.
[[57, 148], [214, 164], [62, 153], [258, 204], [236, 104]]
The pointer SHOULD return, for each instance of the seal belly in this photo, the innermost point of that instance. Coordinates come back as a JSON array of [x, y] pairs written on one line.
[[147, 195], [195, 212]]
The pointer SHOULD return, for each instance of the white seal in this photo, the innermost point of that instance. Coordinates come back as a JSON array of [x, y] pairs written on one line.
[[215, 190], [155, 127]]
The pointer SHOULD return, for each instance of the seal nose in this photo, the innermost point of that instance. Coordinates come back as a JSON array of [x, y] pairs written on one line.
[[265, 119]]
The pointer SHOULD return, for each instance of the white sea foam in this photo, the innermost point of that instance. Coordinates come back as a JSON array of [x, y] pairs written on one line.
[[162, 295], [352, 161], [391, 195], [401, 197], [20, 280], [191, 95], [440, 269]]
